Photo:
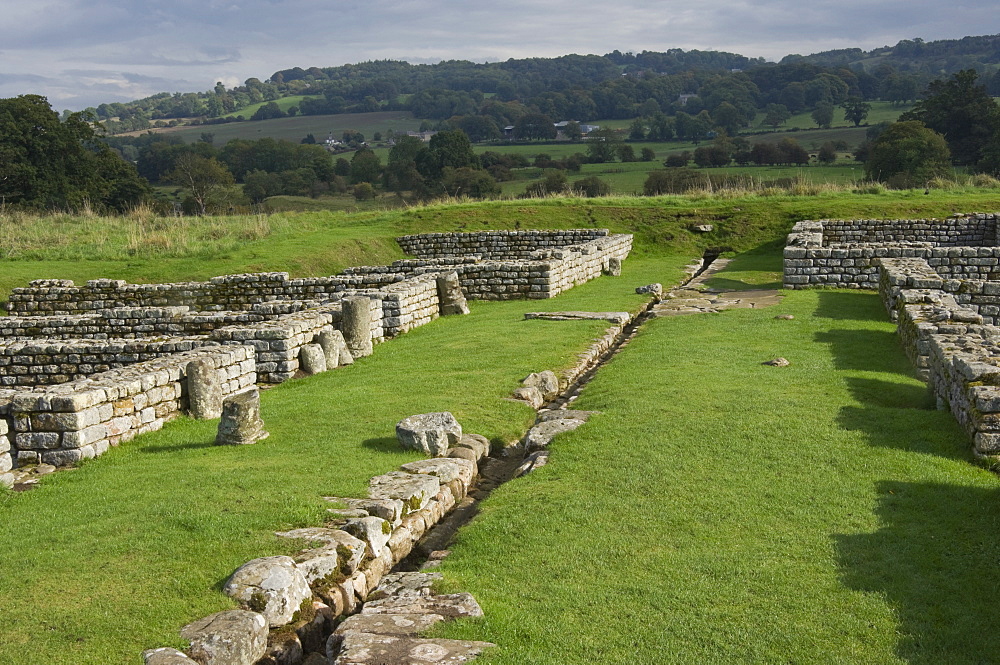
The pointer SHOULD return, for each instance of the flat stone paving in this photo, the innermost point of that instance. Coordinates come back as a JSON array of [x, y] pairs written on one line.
[[697, 298]]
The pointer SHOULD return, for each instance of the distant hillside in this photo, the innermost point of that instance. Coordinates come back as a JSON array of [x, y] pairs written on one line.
[[937, 58]]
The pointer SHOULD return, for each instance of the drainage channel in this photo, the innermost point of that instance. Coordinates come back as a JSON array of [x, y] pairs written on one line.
[[498, 469]]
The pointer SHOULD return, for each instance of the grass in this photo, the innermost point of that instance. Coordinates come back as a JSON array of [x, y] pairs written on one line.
[[284, 104], [295, 129], [718, 510], [116, 556]]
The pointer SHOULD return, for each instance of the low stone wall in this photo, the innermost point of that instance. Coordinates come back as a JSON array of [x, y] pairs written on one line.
[[812, 258], [48, 362], [277, 343], [502, 245], [79, 420]]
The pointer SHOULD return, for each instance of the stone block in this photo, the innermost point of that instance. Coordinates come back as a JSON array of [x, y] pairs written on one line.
[[204, 389], [241, 423], [430, 433], [273, 586], [230, 637]]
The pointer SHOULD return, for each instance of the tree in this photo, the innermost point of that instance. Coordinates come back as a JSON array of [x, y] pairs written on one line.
[[534, 126], [363, 191], [603, 145], [637, 130], [201, 176], [46, 163], [822, 115], [908, 154], [268, 111], [776, 114], [827, 153], [673, 181], [711, 155], [856, 110], [626, 153], [446, 149], [592, 186], [728, 117], [647, 155], [572, 131], [555, 182], [961, 111], [365, 167], [473, 183]]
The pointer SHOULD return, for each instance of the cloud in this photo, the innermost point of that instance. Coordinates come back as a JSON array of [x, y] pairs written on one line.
[[189, 44]]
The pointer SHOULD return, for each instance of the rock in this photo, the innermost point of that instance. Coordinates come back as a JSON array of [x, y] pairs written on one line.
[[270, 585], [333, 345], [312, 359], [375, 531], [166, 656], [614, 317], [446, 469], [535, 460], [6, 480], [357, 325], [466, 454], [477, 443], [285, 650], [414, 490], [241, 423], [547, 383], [541, 435], [614, 266], [450, 296], [405, 585], [655, 289], [560, 414], [389, 624], [452, 605], [354, 648], [338, 556], [431, 433], [231, 637], [777, 362], [785, 317], [391, 510], [312, 634], [531, 395], [204, 385], [702, 228]]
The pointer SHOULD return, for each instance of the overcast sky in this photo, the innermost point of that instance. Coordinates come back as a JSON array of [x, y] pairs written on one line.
[[80, 53]]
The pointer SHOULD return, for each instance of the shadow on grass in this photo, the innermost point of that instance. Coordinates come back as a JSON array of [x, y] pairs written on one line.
[[890, 395], [867, 351], [191, 445], [865, 306], [385, 444], [761, 268], [934, 560]]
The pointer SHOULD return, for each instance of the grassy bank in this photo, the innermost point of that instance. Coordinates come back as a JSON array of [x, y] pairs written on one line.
[[718, 510]]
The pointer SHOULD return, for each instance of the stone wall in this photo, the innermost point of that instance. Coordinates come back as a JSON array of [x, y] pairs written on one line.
[[69, 422], [502, 245], [837, 253]]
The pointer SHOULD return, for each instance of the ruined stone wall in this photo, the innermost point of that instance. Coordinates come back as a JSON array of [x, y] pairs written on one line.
[[69, 422], [50, 362], [495, 245], [812, 258], [955, 231]]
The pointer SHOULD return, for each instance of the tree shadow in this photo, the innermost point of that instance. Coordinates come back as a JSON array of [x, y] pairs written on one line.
[[762, 265], [854, 306], [934, 560]]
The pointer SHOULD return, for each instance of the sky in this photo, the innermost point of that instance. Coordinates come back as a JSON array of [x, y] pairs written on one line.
[[81, 53]]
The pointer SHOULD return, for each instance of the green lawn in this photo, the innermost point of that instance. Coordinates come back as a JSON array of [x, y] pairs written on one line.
[[295, 129], [721, 511]]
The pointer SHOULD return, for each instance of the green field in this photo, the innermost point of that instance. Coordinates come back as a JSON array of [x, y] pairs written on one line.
[[295, 129], [284, 104], [712, 513]]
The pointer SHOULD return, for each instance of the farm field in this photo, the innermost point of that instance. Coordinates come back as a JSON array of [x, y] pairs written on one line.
[[98, 580], [296, 128]]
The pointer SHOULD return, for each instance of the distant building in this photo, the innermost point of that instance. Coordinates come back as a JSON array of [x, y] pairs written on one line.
[[683, 99], [423, 136]]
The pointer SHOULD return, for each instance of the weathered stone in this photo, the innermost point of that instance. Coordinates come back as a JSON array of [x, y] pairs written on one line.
[[333, 345], [6, 480], [531, 395], [559, 414], [316, 658], [785, 317], [389, 624], [541, 435], [339, 556], [430, 433], [357, 325], [777, 362], [450, 296], [547, 383], [702, 228], [283, 649], [312, 359], [655, 289], [452, 605], [535, 460], [391, 510], [204, 389], [414, 490], [166, 656], [614, 266], [241, 423], [355, 648], [446, 469], [478, 443], [375, 531], [231, 637], [312, 634], [614, 317], [270, 585], [405, 585]]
